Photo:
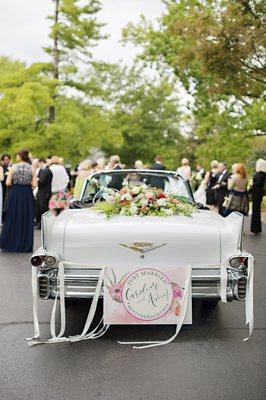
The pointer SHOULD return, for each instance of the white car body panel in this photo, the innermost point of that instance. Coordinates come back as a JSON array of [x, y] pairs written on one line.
[[84, 236], [85, 240]]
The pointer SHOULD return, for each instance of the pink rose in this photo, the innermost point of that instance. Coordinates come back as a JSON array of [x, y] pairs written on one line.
[[177, 291], [115, 292], [150, 196]]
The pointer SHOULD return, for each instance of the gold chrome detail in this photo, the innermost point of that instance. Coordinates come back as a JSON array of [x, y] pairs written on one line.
[[142, 247]]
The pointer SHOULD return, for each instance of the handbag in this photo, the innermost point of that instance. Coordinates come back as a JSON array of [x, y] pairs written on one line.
[[227, 201]]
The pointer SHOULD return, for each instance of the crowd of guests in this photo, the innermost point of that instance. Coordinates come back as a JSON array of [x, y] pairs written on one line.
[[226, 190], [30, 187]]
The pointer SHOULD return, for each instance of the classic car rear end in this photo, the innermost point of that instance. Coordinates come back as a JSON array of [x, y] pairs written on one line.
[[85, 240]]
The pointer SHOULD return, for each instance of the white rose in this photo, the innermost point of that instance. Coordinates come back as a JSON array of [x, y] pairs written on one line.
[[169, 212], [123, 212], [109, 197], [144, 202], [133, 210], [136, 190], [126, 196], [161, 202], [144, 187]]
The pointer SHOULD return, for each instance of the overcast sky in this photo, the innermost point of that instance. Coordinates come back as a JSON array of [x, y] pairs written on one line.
[[24, 27]]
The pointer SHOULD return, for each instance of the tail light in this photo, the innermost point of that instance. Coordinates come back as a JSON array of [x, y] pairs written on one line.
[[37, 260], [50, 261], [238, 262]]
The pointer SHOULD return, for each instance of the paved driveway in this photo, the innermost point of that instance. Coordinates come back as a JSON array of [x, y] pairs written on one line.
[[208, 360]]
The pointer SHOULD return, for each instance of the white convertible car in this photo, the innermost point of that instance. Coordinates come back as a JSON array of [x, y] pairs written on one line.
[[83, 239]]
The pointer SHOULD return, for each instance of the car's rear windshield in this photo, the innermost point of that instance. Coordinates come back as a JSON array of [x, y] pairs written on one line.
[[116, 180]]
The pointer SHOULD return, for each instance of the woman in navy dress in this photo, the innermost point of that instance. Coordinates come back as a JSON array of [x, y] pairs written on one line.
[[18, 230]]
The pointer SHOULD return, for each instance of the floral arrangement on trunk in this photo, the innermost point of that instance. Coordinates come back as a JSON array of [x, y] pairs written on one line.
[[143, 201]]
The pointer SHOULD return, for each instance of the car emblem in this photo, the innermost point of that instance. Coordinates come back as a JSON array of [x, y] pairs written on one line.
[[142, 247]]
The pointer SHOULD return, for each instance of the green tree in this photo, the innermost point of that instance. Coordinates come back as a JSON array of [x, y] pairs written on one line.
[[146, 111], [25, 95], [220, 44], [143, 106], [217, 50], [74, 31]]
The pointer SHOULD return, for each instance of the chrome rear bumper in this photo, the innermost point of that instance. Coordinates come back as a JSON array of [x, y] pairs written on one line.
[[81, 283]]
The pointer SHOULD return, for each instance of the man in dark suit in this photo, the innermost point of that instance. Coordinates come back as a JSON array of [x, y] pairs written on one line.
[[221, 186], [6, 164], [117, 179], [157, 181], [45, 177]]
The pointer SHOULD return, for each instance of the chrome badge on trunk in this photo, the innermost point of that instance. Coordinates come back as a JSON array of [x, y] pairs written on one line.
[[142, 246]]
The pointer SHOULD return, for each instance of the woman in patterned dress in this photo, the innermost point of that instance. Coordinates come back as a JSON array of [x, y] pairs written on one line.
[[17, 233]]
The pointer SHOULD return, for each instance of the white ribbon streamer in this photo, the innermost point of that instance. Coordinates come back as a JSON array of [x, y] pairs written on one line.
[[96, 332], [92, 310], [34, 288], [91, 313], [179, 324], [249, 297], [61, 284], [223, 279]]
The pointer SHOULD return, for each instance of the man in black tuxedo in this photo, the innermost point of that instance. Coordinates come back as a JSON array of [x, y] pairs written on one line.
[[6, 164], [117, 179], [44, 194], [221, 186], [157, 181]]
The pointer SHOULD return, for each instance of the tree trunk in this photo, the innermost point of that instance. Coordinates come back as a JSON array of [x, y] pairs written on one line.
[[55, 60]]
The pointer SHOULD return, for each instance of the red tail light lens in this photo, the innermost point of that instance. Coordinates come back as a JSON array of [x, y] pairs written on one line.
[[36, 261]]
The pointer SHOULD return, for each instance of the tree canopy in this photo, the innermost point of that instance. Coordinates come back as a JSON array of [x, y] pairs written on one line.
[[217, 50], [197, 89]]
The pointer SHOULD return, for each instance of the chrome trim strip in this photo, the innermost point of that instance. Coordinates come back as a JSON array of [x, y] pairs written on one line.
[[81, 283]]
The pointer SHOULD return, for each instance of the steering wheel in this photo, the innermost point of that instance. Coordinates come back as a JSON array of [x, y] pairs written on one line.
[[100, 195]]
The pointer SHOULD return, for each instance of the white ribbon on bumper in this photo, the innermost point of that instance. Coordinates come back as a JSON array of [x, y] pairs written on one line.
[[179, 324], [223, 286], [249, 292], [91, 313], [96, 333], [250, 297]]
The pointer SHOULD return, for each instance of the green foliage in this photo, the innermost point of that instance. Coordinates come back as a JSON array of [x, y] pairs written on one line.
[[220, 44], [74, 31], [144, 108], [217, 50], [147, 115], [24, 99], [25, 96], [214, 49], [229, 133], [80, 127]]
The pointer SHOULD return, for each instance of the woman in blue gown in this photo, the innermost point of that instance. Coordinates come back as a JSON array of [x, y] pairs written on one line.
[[18, 230]]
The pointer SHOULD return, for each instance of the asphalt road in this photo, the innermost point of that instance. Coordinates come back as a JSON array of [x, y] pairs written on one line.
[[208, 360]]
